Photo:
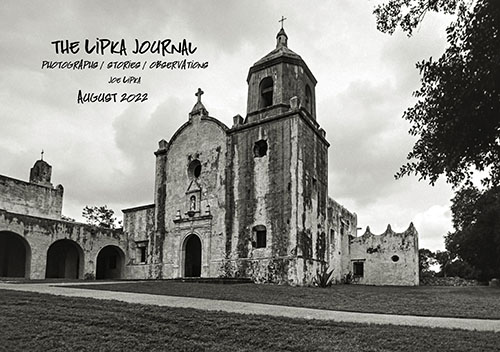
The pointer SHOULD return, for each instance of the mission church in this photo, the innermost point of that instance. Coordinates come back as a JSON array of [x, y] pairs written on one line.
[[250, 200]]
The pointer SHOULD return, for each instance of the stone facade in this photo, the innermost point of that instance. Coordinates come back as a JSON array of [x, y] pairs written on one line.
[[250, 200], [387, 259]]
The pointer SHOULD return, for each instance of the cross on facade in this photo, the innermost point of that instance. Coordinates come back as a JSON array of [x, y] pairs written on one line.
[[282, 20], [199, 94], [42, 154]]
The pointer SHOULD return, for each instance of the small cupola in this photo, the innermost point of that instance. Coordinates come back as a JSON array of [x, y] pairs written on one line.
[[281, 39]]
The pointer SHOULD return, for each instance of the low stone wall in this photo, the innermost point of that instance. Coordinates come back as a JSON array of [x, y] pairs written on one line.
[[447, 281]]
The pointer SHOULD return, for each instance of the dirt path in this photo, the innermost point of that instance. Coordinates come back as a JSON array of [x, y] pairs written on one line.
[[258, 308]]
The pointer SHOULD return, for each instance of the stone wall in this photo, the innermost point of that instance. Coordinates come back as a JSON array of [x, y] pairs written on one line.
[[201, 139], [22, 197], [39, 234], [260, 191], [387, 259], [447, 281], [341, 224], [138, 227]]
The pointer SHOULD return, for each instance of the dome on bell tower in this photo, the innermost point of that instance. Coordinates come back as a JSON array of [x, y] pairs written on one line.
[[275, 79]]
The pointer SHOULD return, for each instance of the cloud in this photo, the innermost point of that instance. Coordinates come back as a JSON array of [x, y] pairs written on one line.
[[369, 141], [432, 225]]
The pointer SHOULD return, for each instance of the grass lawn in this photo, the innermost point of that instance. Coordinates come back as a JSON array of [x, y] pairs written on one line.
[[38, 322], [463, 302]]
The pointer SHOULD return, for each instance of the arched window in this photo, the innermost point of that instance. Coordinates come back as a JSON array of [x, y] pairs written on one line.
[[308, 99], [266, 92]]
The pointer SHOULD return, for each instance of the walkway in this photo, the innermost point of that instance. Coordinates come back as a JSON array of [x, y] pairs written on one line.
[[257, 308]]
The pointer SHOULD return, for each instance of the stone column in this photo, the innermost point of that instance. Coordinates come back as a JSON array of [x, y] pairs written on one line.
[[158, 237]]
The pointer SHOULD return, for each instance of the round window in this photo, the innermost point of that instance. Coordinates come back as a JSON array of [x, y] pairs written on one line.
[[395, 258], [194, 169]]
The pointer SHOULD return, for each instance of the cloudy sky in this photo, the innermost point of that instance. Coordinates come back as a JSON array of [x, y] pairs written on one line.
[[102, 153]]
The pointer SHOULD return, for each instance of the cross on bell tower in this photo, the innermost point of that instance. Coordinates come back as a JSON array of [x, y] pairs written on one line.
[[282, 20], [281, 37]]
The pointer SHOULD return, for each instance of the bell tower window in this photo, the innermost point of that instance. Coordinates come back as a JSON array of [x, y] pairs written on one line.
[[266, 92], [308, 99]]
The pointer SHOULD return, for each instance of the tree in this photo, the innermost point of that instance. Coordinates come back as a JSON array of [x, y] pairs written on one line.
[[67, 218], [457, 122], [100, 216], [425, 261], [444, 259], [456, 116], [476, 240]]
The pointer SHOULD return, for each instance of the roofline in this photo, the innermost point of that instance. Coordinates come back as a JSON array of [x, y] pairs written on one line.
[[187, 123], [280, 59], [138, 208]]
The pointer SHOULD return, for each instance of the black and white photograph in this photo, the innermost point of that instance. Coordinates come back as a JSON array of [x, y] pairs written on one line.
[[223, 175]]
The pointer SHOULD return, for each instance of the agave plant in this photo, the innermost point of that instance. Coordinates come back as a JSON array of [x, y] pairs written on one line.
[[324, 277]]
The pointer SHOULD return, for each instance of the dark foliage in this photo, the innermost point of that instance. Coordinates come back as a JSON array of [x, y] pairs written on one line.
[[100, 216], [457, 115], [426, 258], [476, 240]]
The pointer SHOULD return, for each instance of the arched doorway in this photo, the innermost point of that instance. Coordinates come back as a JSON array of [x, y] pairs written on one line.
[[192, 256], [64, 260], [110, 261], [15, 255]]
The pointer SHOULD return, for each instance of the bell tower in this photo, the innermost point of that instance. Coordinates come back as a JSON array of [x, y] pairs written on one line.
[[41, 173], [275, 79], [278, 173]]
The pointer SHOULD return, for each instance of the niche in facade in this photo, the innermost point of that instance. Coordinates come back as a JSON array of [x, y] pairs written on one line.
[[260, 149]]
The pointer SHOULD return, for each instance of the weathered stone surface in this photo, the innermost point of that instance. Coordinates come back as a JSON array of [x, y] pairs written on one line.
[[29, 198], [389, 259], [40, 233]]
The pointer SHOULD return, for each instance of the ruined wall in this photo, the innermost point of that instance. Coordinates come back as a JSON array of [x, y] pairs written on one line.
[[138, 227], [285, 191], [387, 259], [312, 195], [31, 199], [202, 139], [260, 193], [40, 234], [341, 224]]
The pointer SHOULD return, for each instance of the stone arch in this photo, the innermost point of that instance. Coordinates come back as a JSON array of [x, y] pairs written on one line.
[[110, 263], [64, 260], [191, 256], [15, 255]]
